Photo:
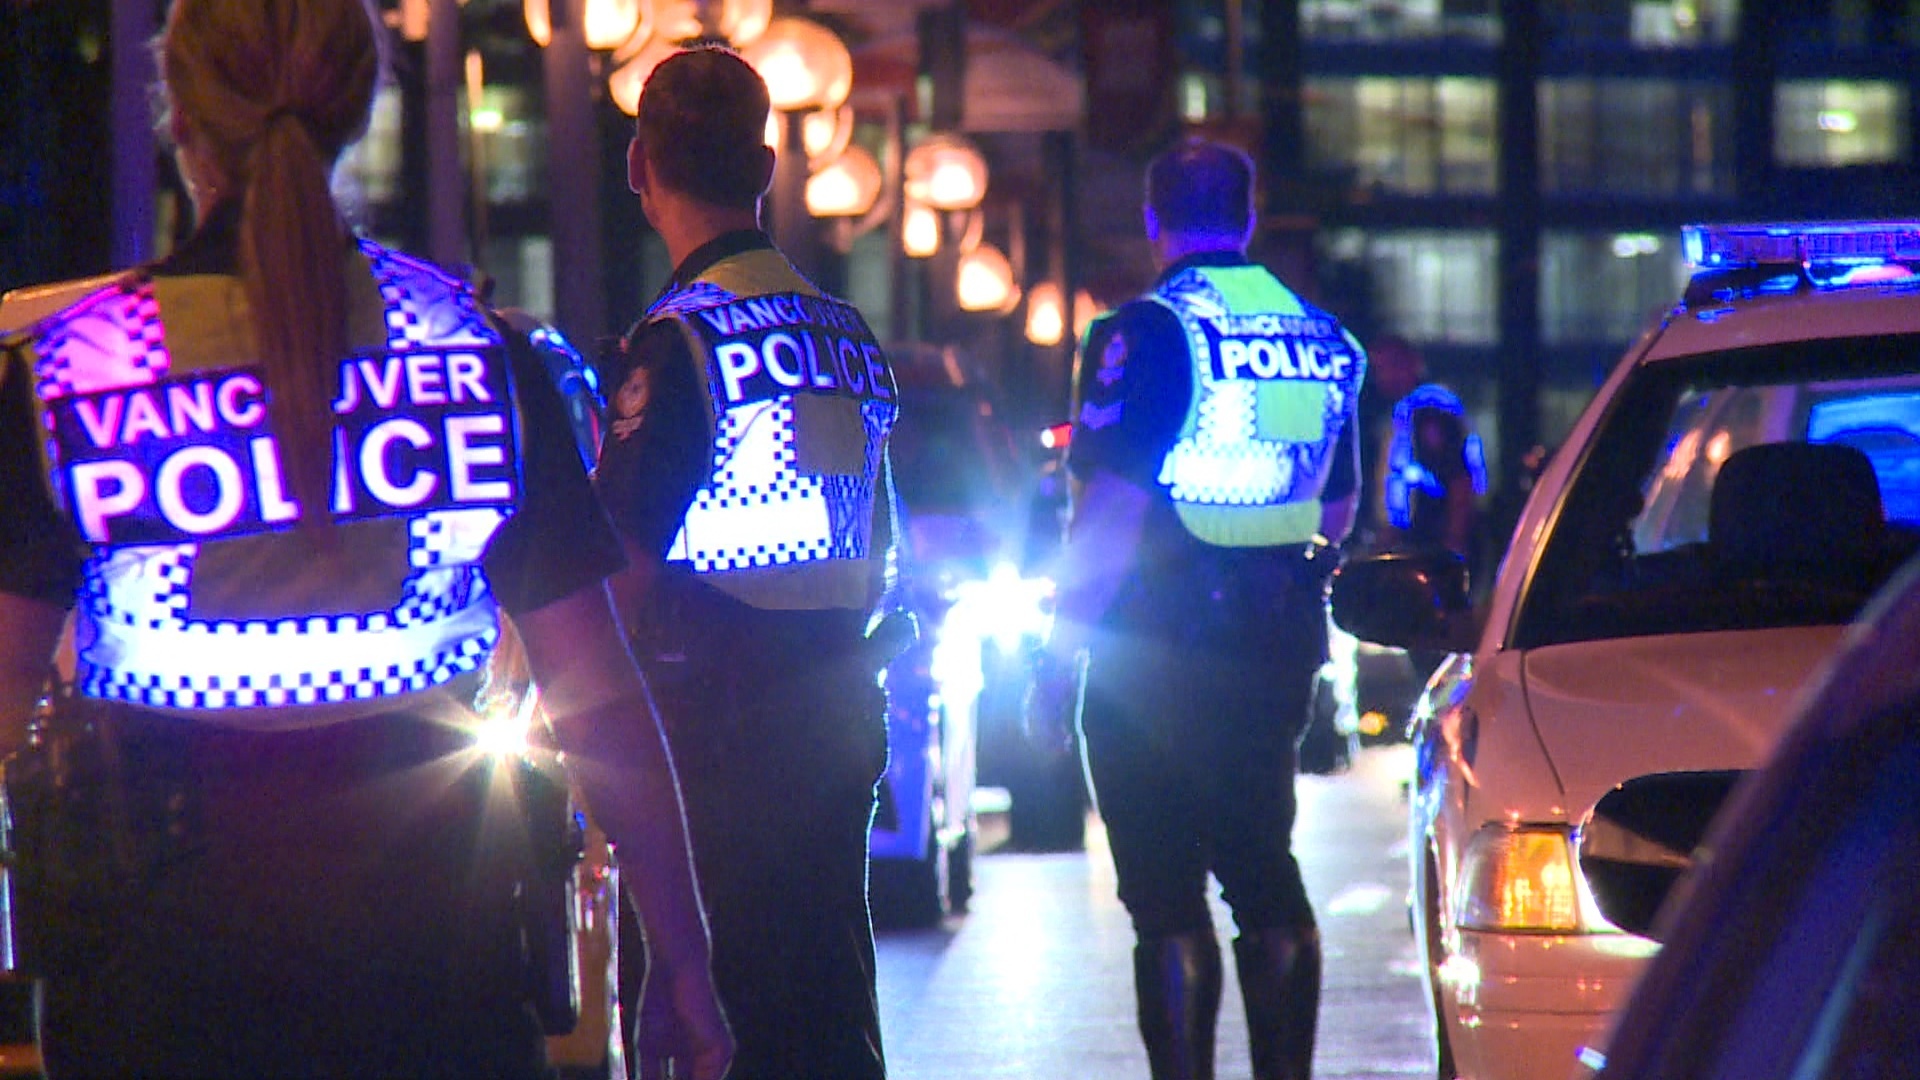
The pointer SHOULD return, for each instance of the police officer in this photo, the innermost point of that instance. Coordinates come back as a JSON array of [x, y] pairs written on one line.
[[1429, 470], [745, 467], [1215, 459], [282, 484]]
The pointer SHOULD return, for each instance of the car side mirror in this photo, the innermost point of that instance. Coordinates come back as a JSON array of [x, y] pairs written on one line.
[[1414, 600]]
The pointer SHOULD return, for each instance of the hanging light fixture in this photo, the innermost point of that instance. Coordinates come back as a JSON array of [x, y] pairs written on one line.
[[920, 231], [827, 133], [984, 281], [846, 187], [627, 80], [609, 24], [1046, 314], [806, 65], [946, 172]]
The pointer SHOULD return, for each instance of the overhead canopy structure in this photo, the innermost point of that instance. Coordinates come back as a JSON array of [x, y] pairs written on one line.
[[1009, 85]]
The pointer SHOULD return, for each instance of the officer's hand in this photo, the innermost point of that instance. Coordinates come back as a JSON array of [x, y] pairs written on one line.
[[1052, 707], [683, 1033]]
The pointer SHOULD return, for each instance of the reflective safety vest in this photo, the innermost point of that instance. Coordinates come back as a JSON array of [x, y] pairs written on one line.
[[802, 400], [1274, 385], [160, 447]]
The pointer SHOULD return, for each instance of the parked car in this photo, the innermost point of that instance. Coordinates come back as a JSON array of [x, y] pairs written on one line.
[[1791, 949], [965, 485], [1744, 480]]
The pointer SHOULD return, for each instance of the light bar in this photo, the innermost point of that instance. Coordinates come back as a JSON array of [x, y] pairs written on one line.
[[1799, 243]]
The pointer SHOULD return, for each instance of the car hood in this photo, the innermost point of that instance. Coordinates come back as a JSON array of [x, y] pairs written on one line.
[[1608, 711]]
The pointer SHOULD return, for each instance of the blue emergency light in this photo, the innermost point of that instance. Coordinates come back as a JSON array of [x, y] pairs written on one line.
[[1714, 247]]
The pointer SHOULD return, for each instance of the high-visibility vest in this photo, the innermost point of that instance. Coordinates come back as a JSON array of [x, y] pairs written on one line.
[[1275, 380], [160, 447], [802, 399]]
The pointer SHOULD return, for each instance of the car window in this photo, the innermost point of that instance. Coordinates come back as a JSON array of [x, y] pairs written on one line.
[[1649, 541]]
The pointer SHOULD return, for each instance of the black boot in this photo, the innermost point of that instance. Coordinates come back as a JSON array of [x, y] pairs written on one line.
[[1176, 980], [1280, 983]]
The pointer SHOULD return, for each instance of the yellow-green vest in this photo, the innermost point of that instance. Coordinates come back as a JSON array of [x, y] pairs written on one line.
[[1275, 381]]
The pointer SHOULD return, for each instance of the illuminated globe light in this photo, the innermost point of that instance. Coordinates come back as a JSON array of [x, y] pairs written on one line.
[[805, 65], [627, 80], [985, 280], [847, 187], [826, 131], [737, 21], [609, 24], [947, 173], [1046, 314], [920, 231]]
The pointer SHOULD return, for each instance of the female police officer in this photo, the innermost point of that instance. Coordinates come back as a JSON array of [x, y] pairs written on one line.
[[291, 477]]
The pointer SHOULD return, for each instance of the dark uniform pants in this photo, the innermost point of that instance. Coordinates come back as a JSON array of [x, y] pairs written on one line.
[[329, 903], [1190, 743], [778, 735]]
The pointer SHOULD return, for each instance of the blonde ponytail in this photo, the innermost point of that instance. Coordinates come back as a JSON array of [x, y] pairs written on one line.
[[276, 90]]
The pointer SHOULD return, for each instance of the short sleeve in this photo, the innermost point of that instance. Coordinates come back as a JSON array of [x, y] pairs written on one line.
[[559, 541], [41, 553], [1136, 384], [656, 451]]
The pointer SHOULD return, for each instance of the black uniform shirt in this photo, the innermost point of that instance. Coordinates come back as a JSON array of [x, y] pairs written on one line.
[[558, 542], [658, 448]]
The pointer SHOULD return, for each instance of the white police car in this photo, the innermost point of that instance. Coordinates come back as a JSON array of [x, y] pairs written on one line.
[[1740, 485]]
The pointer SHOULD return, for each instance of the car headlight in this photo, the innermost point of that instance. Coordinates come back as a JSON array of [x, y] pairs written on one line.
[[1520, 878]]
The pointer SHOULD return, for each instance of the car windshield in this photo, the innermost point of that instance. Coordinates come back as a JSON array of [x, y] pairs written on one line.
[[1736, 491]]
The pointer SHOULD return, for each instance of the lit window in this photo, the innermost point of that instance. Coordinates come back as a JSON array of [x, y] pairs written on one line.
[[1626, 137], [1415, 136], [1818, 124], [1409, 20], [1603, 287], [1430, 285]]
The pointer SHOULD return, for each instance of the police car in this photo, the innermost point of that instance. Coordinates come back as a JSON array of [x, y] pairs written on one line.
[[1744, 480]]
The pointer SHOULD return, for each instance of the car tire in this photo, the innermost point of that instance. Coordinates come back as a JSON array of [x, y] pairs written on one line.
[[960, 875], [905, 894], [1048, 811], [1443, 1066]]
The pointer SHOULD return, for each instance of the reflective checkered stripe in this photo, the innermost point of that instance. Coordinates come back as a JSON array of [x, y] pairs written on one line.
[[1274, 383], [140, 639], [763, 526]]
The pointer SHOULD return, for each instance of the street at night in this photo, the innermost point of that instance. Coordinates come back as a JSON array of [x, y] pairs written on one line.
[[1035, 982]]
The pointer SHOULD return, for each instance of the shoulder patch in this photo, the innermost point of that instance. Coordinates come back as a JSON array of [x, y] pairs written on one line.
[[1113, 361], [630, 401]]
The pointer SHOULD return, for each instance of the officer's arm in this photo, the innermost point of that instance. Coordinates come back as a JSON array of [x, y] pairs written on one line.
[[1103, 536], [615, 750]]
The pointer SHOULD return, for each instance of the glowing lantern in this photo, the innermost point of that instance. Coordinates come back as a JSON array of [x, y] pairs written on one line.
[[920, 231], [1046, 314], [947, 173], [806, 65], [627, 80], [845, 188], [985, 280]]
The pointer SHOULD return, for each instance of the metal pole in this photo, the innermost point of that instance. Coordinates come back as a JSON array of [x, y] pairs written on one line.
[[794, 229], [573, 182], [135, 171], [446, 179]]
